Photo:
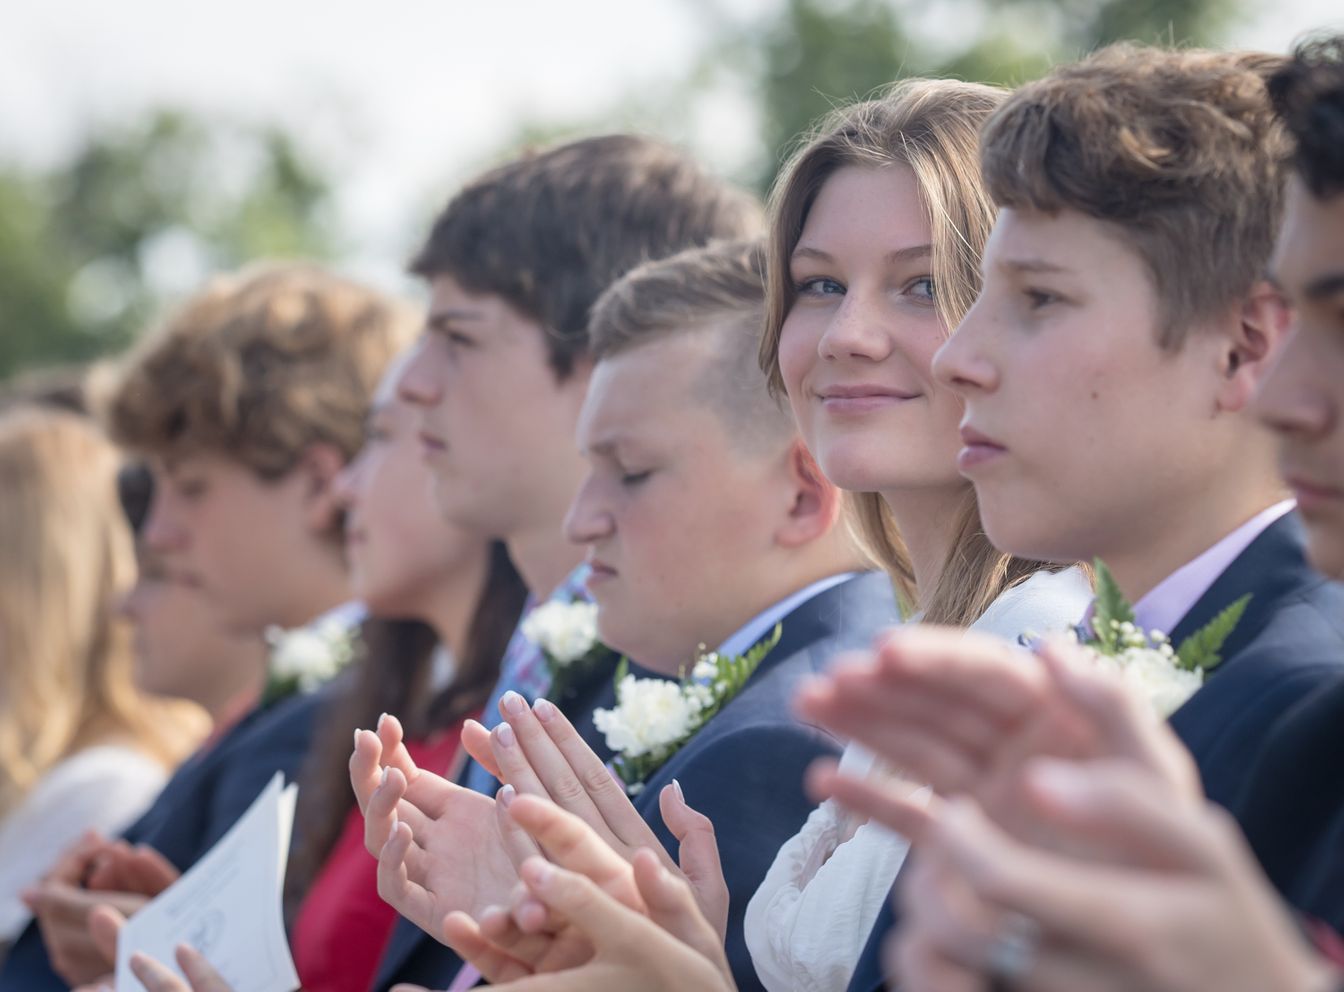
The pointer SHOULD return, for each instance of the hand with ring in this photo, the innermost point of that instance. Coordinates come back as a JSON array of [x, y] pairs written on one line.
[[1171, 899]]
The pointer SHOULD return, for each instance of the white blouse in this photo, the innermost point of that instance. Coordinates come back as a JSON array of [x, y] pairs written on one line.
[[807, 924], [101, 788]]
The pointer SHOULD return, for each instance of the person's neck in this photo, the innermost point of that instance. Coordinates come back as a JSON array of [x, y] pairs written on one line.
[[325, 586], [543, 557], [242, 680], [771, 585], [1185, 535], [927, 521], [451, 605]]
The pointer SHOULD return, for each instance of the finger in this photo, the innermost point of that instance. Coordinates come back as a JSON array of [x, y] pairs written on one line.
[[65, 905], [847, 700], [1126, 725], [549, 765], [599, 786], [571, 843], [672, 905], [698, 854], [895, 805], [1090, 904], [394, 754], [199, 971], [464, 936], [105, 925], [149, 872], [155, 977], [476, 739], [1116, 804], [380, 811], [366, 770], [514, 768], [947, 912], [606, 922], [395, 886], [517, 843]]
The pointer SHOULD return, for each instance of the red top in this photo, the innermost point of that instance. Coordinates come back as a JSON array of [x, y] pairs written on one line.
[[343, 926]]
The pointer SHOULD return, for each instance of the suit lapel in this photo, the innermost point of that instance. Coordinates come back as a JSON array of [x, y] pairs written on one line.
[[1272, 564]]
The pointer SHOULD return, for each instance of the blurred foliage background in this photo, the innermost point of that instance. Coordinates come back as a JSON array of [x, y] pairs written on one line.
[[94, 246]]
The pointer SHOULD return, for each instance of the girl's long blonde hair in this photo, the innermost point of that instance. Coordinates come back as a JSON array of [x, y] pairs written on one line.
[[932, 127], [66, 557]]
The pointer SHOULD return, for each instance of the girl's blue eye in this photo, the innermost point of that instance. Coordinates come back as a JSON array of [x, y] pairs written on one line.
[[819, 286], [921, 287], [1036, 299], [634, 478]]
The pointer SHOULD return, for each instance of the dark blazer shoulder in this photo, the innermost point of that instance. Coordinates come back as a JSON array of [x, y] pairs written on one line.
[[208, 794], [1289, 642]]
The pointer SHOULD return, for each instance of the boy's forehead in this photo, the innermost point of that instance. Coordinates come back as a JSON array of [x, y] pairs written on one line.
[[1309, 256], [646, 384]]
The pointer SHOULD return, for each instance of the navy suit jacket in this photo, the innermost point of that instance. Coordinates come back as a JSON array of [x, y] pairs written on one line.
[[1289, 642], [744, 770], [412, 955], [206, 796], [1293, 806]]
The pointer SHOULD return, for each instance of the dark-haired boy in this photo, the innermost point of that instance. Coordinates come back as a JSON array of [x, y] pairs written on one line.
[[514, 263]]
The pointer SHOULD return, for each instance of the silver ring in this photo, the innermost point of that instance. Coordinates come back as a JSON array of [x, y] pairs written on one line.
[[1013, 951]]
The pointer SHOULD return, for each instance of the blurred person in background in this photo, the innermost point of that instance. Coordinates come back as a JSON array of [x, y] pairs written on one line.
[[246, 404], [442, 605], [81, 746]]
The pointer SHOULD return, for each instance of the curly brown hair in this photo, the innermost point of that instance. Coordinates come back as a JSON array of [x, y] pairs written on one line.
[[258, 366]]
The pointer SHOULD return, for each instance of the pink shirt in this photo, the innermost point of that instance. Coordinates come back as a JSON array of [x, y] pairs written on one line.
[[1167, 603]]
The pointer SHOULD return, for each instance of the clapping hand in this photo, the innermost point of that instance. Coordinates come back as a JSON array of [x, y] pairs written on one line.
[[1170, 900], [451, 855], [536, 751], [672, 947], [965, 713]]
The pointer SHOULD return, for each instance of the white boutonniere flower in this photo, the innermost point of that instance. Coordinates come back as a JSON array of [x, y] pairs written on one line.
[[566, 634], [654, 718], [1163, 675], [305, 659]]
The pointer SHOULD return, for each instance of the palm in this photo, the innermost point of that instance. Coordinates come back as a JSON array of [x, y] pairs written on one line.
[[461, 862]]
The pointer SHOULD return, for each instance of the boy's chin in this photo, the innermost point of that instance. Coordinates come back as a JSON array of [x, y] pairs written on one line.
[[1325, 547]]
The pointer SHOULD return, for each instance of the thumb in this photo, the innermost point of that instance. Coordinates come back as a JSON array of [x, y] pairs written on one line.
[[476, 739], [609, 926], [672, 905], [698, 855], [105, 925], [1122, 806]]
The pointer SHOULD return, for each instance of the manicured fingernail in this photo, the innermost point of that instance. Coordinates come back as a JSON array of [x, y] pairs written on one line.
[[381, 718], [514, 704], [504, 734], [383, 780], [680, 795], [356, 738], [506, 795], [544, 709]]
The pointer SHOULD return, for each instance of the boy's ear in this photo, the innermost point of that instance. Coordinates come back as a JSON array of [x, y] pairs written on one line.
[[1253, 346], [815, 506], [318, 466]]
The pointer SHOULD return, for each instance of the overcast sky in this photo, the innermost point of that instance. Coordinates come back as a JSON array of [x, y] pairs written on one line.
[[411, 94]]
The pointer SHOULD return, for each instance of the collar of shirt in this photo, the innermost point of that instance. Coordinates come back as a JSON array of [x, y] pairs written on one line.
[[759, 627], [1171, 599]]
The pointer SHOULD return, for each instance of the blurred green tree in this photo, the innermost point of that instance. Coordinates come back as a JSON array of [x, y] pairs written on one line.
[[92, 249], [803, 57]]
